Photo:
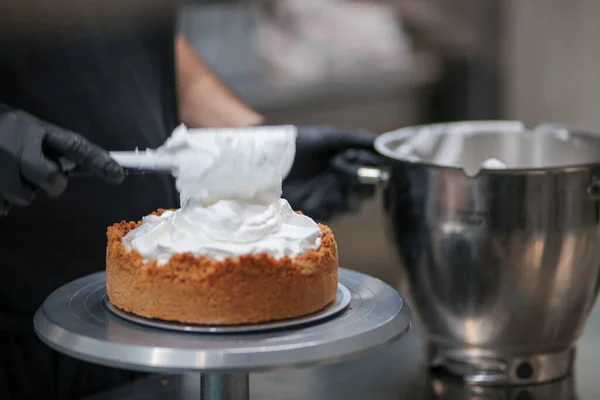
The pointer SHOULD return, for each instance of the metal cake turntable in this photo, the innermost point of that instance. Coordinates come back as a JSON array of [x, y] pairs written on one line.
[[77, 320], [341, 303]]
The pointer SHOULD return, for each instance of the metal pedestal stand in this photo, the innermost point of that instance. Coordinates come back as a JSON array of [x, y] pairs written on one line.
[[75, 320]]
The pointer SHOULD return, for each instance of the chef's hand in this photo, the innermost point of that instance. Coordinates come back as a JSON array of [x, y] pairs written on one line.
[[29, 149], [314, 186]]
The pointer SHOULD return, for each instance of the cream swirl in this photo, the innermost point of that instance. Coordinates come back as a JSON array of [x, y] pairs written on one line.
[[230, 188]]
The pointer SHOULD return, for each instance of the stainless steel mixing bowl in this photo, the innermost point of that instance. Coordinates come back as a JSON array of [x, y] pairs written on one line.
[[503, 263]]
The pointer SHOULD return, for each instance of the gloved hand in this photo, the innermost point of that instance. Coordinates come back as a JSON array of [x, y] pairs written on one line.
[[29, 150], [314, 186]]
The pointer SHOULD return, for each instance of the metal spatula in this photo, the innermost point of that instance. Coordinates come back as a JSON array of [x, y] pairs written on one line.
[[132, 162], [140, 162]]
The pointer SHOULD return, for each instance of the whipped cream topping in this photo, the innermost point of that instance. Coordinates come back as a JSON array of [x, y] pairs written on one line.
[[230, 191], [493, 163]]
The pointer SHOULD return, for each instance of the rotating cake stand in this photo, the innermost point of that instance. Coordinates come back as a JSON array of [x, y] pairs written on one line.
[[76, 320]]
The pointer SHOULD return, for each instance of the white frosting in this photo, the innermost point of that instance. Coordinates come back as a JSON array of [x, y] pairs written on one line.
[[493, 163], [230, 188]]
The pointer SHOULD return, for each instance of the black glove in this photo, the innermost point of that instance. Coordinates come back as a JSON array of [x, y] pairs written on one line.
[[314, 185], [29, 153]]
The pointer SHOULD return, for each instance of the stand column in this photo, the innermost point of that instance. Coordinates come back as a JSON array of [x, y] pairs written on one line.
[[224, 387]]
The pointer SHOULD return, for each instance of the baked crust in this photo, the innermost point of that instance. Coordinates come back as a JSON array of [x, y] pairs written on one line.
[[199, 290]]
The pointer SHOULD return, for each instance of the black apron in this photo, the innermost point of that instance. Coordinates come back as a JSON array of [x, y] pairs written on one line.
[[115, 86]]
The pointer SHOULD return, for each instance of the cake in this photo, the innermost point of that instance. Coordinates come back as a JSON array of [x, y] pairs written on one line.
[[232, 254], [200, 290]]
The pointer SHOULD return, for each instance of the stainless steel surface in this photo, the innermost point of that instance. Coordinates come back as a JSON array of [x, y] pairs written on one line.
[[444, 387], [164, 161], [224, 387], [73, 321], [467, 144], [398, 372], [490, 370], [134, 160], [341, 303], [503, 266]]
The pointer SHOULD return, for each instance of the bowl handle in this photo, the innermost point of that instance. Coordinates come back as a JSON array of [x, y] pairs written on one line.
[[594, 190], [362, 166], [372, 175]]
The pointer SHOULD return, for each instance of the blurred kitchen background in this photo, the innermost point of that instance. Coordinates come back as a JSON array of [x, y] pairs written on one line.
[[381, 65]]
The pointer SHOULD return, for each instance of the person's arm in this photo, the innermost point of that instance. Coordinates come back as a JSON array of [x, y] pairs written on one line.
[[203, 100]]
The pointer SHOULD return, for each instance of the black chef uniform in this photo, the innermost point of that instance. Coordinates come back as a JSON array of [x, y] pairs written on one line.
[[115, 85]]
